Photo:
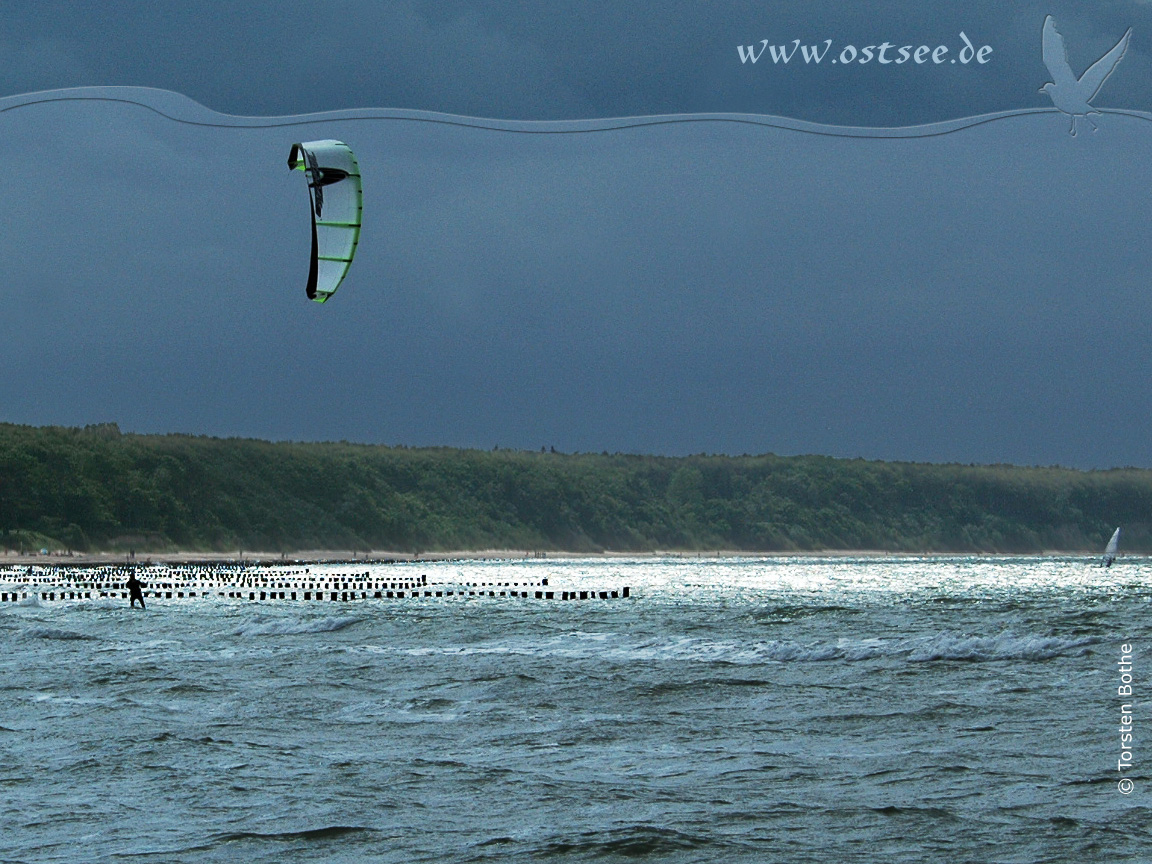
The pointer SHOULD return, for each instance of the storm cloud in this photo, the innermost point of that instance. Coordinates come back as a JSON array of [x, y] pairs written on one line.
[[709, 286]]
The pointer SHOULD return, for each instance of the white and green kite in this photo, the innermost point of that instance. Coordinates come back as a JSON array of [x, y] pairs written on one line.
[[337, 202]]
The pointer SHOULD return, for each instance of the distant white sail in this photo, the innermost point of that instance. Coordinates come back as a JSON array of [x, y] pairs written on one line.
[[1110, 549]]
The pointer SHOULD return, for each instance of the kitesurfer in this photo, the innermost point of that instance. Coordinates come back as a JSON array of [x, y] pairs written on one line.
[[135, 591]]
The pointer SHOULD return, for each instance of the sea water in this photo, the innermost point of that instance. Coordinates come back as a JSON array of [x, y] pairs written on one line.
[[781, 709]]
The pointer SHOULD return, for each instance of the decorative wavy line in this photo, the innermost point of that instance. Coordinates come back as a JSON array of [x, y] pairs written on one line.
[[184, 110]]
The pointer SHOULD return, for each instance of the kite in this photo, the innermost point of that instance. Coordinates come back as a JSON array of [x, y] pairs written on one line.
[[337, 202]]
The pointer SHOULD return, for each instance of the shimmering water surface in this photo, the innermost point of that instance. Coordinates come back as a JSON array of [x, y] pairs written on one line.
[[960, 709]]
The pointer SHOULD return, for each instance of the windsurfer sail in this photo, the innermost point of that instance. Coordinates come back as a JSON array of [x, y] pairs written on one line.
[[1110, 549]]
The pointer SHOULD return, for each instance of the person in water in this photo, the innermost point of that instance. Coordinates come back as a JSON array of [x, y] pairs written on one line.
[[135, 591]]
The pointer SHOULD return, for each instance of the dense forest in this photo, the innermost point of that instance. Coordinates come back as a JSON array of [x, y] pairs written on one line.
[[96, 488]]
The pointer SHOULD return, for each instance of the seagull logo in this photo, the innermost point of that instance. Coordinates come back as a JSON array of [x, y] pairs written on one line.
[[1070, 94]]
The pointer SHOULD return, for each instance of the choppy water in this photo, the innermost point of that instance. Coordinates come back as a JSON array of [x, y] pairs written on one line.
[[733, 710]]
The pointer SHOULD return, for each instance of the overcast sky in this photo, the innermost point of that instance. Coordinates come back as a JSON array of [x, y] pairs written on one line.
[[558, 60], [980, 296]]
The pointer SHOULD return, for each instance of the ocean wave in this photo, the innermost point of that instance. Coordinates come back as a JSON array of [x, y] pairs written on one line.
[[105, 603], [323, 833], [54, 633], [292, 627], [633, 841], [1003, 646], [935, 814], [943, 646]]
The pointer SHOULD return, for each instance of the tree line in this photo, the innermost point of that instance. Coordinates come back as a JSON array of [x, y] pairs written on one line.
[[96, 488]]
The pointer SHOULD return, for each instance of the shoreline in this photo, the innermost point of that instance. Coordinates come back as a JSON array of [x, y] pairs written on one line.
[[346, 556]]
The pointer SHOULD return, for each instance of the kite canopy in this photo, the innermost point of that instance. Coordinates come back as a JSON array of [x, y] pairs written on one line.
[[337, 201]]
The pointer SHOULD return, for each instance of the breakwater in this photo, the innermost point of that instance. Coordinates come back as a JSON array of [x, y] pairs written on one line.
[[300, 584]]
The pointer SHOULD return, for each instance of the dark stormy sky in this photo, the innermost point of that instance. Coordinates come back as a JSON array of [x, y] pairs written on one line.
[[980, 296]]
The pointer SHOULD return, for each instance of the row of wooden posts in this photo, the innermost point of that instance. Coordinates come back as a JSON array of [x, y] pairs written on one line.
[[342, 596]]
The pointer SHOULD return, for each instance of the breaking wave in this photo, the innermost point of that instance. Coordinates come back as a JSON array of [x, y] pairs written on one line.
[[1004, 646], [291, 627], [942, 646]]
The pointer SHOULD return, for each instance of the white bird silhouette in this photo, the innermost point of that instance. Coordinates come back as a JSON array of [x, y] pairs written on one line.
[[1069, 93]]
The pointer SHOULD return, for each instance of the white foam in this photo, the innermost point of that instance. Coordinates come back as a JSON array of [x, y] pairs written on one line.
[[293, 626], [104, 603], [945, 645], [1003, 646]]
